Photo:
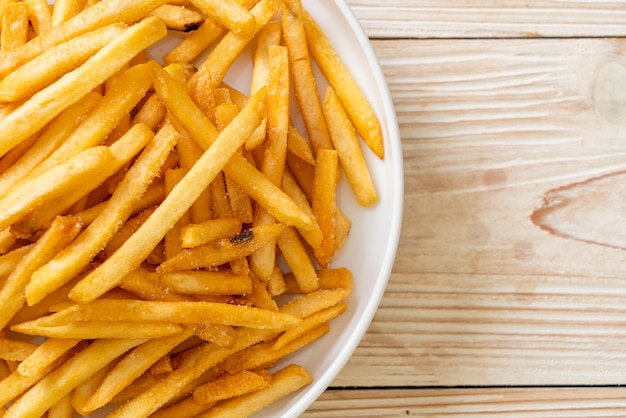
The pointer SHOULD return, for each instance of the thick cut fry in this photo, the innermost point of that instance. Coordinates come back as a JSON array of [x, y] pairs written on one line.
[[100, 14], [15, 350], [229, 13], [178, 18], [348, 149], [198, 282], [335, 71], [304, 81], [231, 385], [62, 380], [56, 132], [222, 251], [74, 258], [132, 366], [46, 104], [14, 23], [59, 180], [149, 312], [285, 381], [137, 248], [53, 63], [12, 295], [324, 203]]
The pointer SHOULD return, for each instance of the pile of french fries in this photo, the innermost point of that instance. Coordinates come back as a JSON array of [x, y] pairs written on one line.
[[166, 239]]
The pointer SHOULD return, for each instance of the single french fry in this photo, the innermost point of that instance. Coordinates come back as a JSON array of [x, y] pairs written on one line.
[[324, 203], [46, 104], [45, 355], [318, 300], [213, 160], [228, 13], [171, 242], [98, 330], [333, 278], [74, 258], [151, 113], [348, 149], [53, 63], [276, 283], [14, 22], [335, 71], [259, 296], [240, 203], [81, 393], [100, 14], [188, 407], [13, 294], [59, 180], [15, 350], [63, 10], [298, 259], [62, 380], [222, 251], [304, 81], [193, 235], [154, 313], [56, 132], [270, 34], [302, 172], [231, 385], [178, 17], [309, 323], [197, 282], [285, 381], [135, 363], [299, 146], [292, 189], [188, 153], [40, 15], [195, 43], [10, 260]]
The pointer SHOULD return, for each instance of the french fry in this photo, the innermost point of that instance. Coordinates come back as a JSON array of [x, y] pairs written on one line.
[[222, 251], [98, 330], [324, 203], [193, 235], [328, 279], [10, 260], [13, 294], [130, 255], [50, 65], [178, 17], [44, 355], [335, 71], [304, 81], [83, 392], [130, 367], [14, 24], [231, 385], [62, 409], [270, 34], [171, 242], [62, 380], [40, 15], [348, 149], [285, 381], [189, 152], [318, 300], [15, 350], [240, 203], [195, 43], [198, 282], [298, 259], [66, 9]]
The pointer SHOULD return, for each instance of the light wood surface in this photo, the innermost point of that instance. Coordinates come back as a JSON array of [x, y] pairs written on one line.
[[508, 294]]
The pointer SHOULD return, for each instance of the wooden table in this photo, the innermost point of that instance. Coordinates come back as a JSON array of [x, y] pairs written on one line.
[[508, 294]]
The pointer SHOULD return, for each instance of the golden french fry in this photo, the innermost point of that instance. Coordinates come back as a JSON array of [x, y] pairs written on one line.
[[10, 260], [285, 381], [171, 243], [348, 149], [188, 153], [53, 63], [131, 254], [151, 113], [328, 279], [62, 409], [135, 363], [240, 203], [270, 34], [13, 294], [335, 71], [45, 355], [310, 303], [229, 13], [298, 259], [193, 235], [304, 81], [63, 10], [15, 350], [290, 186], [98, 330], [231, 385], [197, 282], [43, 106], [14, 22], [57, 384], [40, 15], [178, 17], [81, 393], [100, 14], [324, 203], [299, 146]]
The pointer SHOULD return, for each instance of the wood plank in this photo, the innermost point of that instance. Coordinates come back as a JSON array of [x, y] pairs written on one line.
[[480, 295], [490, 18], [467, 403]]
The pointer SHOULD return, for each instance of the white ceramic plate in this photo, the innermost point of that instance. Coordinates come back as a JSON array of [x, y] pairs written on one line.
[[370, 250]]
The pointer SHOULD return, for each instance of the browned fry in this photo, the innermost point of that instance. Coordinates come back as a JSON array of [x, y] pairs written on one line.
[[324, 203], [222, 251], [195, 43]]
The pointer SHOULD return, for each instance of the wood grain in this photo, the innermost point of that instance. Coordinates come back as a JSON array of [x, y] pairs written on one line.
[[490, 18]]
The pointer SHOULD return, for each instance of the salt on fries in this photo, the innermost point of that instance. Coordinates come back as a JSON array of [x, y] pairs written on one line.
[[165, 239]]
